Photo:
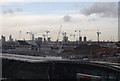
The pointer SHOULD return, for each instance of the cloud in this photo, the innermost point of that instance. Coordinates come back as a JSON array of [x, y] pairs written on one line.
[[67, 18], [92, 19], [103, 9], [18, 9], [59, 0], [4, 3], [11, 11], [8, 11], [36, 23], [29, 20]]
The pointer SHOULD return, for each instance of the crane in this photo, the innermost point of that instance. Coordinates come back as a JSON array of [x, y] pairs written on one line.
[[32, 35], [73, 36], [47, 33], [98, 33], [78, 32], [64, 34], [44, 38], [19, 34], [59, 33]]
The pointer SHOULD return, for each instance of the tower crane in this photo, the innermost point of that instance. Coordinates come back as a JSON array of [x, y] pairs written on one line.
[[78, 32], [98, 33], [73, 36], [19, 34], [47, 33], [59, 33], [32, 35]]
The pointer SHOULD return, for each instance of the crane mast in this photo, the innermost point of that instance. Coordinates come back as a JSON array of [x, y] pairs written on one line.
[[32, 35]]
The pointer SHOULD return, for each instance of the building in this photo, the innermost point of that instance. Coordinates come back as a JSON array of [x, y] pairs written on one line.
[[10, 38], [49, 39], [65, 40], [3, 38], [85, 39], [80, 39], [26, 46]]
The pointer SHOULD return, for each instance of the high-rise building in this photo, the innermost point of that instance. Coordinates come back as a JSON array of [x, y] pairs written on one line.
[[44, 40], [80, 39], [3, 38], [40, 39], [33, 37], [85, 39], [49, 39], [10, 38], [65, 39]]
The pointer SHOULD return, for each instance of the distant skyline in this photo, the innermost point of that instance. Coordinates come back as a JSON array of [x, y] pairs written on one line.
[[38, 17]]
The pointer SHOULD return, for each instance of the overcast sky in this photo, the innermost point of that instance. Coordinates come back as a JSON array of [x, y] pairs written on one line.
[[38, 17]]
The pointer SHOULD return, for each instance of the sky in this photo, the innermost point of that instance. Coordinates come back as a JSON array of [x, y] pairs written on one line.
[[38, 17]]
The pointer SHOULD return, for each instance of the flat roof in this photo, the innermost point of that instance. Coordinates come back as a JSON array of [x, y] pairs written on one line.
[[39, 59], [31, 58]]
